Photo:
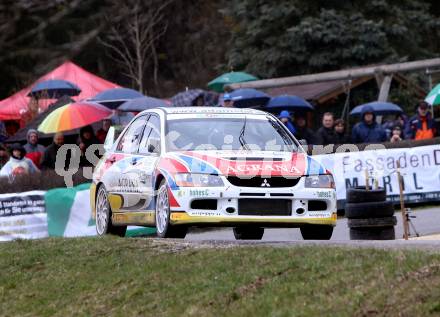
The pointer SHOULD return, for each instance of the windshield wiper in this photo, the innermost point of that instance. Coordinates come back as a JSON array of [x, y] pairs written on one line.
[[241, 137]]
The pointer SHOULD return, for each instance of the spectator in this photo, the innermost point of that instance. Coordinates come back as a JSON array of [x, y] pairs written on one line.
[[326, 134], [400, 119], [86, 138], [396, 134], [50, 154], [421, 126], [302, 131], [18, 164], [368, 130], [122, 117], [101, 134], [227, 101], [199, 101], [4, 156], [3, 133], [340, 136], [34, 151], [285, 118]]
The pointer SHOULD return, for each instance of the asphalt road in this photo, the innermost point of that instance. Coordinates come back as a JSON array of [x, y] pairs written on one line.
[[427, 222]]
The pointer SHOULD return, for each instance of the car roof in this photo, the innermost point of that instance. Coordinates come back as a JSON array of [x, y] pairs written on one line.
[[219, 110]]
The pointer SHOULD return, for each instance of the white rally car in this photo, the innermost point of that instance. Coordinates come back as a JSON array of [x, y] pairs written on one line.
[[173, 168]]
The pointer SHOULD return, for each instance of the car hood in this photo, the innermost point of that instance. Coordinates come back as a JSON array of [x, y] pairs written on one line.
[[241, 163]]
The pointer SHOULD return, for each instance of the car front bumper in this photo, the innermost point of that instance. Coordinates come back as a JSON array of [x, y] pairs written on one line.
[[227, 208]]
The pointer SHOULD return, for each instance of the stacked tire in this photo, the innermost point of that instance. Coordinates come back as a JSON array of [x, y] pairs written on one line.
[[370, 216]]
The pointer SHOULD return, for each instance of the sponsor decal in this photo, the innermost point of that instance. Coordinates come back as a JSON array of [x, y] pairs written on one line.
[[181, 193], [205, 213], [324, 194], [319, 214], [242, 168], [199, 192]]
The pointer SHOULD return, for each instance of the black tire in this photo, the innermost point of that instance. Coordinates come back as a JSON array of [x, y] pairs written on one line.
[[107, 227], [378, 209], [359, 194], [372, 222], [379, 233], [166, 229], [248, 233], [316, 232]]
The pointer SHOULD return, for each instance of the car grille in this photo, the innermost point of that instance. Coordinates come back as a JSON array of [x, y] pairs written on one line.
[[264, 207], [260, 181]]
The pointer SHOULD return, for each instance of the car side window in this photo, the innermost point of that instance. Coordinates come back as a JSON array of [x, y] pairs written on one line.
[[129, 142], [150, 142]]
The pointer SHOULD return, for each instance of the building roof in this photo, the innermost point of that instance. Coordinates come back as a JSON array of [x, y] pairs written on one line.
[[318, 92]]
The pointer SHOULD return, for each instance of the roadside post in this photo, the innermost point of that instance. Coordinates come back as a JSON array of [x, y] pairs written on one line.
[[402, 204]]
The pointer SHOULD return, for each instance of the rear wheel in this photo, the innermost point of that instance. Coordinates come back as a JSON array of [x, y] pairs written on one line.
[[316, 232], [163, 227], [248, 233], [104, 223]]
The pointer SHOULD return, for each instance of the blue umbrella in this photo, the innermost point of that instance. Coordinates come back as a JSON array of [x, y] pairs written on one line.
[[141, 104], [187, 98], [113, 98], [249, 98], [54, 89], [288, 102], [379, 108]]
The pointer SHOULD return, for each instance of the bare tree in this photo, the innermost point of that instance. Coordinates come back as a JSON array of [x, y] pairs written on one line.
[[133, 40]]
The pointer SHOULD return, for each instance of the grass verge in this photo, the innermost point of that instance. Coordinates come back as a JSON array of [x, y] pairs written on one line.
[[140, 277]]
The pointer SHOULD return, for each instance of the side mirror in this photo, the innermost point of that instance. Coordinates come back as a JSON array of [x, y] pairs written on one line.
[[154, 146], [109, 139]]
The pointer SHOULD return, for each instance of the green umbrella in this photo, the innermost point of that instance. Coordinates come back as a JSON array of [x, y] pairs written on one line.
[[229, 78], [433, 97]]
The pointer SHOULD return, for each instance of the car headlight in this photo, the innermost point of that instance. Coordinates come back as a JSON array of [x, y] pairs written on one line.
[[320, 181], [198, 180]]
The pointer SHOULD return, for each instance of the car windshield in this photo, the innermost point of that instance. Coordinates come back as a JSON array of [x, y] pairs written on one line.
[[228, 133]]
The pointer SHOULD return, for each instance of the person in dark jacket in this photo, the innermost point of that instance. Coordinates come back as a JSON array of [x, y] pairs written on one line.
[[86, 138], [421, 126], [326, 134], [4, 155], [396, 134], [368, 130], [302, 131], [400, 120], [285, 118], [50, 154], [341, 136], [3, 133]]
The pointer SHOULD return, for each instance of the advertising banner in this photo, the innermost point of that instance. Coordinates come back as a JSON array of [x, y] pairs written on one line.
[[420, 169], [69, 214], [23, 216]]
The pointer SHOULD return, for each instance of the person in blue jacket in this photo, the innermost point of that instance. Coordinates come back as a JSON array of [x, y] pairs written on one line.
[[368, 130], [285, 118]]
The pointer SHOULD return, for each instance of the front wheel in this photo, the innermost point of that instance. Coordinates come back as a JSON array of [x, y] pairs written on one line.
[[316, 232], [163, 227], [104, 223], [248, 233]]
